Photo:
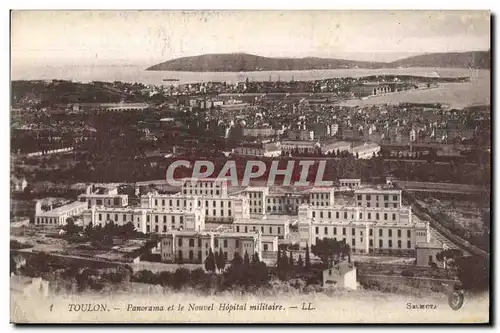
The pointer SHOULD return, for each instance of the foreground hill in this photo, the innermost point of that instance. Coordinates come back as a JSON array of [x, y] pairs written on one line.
[[243, 62]]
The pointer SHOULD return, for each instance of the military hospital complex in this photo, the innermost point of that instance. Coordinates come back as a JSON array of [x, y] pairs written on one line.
[[205, 214]]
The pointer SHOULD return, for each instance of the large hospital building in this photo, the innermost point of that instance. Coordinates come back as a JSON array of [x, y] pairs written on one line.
[[204, 214]]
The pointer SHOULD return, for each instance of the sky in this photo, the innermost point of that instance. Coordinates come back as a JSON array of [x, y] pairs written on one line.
[[149, 37]]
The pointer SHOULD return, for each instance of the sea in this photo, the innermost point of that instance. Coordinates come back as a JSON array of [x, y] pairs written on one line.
[[477, 92]]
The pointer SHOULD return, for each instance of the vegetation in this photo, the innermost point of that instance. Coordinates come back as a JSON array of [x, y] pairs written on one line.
[[331, 251]]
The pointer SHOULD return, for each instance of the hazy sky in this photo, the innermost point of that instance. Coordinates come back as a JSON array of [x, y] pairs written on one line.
[[142, 37]]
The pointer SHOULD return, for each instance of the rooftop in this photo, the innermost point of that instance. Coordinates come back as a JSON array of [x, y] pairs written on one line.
[[63, 209]]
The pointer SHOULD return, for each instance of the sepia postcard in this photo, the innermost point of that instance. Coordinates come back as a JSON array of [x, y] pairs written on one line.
[[250, 167]]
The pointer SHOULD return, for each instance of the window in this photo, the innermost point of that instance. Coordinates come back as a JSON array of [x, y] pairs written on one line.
[[399, 244], [380, 232], [317, 230], [360, 216], [180, 255], [377, 216], [371, 232], [390, 232], [270, 230], [390, 242], [337, 215], [353, 232], [279, 230], [393, 216], [164, 228], [229, 204], [345, 215], [222, 212], [399, 233], [124, 217], [265, 247], [314, 214], [343, 231], [237, 243], [408, 244], [430, 258], [359, 196], [181, 218], [225, 243], [216, 243], [199, 255], [380, 243], [408, 233], [156, 218], [394, 197], [190, 254], [386, 197], [225, 255], [156, 202], [100, 217], [353, 242], [179, 242], [246, 229], [164, 218], [368, 197], [385, 216], [334, 230], [369, 216], [237, 228], [371, 243], [321, 215], [156, 228], [368, 204], [199, 242]]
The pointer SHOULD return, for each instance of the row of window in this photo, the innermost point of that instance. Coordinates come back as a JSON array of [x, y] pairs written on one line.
[[201, 192], [369, 197], [386, 205], [47, 220], [380, 243], [202, 184], [369, 215], [320, 195], [255, 195], [214, 212], [380, 232], [254, 228]]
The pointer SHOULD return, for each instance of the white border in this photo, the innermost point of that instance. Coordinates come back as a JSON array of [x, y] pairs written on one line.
[[191, 4]]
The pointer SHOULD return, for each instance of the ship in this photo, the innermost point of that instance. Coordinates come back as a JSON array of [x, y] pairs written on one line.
[[171, 80]]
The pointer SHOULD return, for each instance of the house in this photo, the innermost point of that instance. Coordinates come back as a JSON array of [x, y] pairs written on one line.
[[426, 253], [342, 275]]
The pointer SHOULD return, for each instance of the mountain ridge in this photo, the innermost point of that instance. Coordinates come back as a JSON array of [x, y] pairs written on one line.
[[245, 62]]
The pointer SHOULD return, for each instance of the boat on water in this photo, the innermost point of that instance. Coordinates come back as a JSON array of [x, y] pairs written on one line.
[[171, 80]]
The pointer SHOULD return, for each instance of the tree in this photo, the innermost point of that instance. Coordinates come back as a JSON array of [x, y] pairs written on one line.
[[255, 258], [300, 262], [448, 257], [308, 259], [220, 261], [181, 277], [210, 264], [291, 259], [246, 259], [330, 250]]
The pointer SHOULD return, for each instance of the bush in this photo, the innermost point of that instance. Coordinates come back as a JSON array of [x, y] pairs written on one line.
[[407, 273]]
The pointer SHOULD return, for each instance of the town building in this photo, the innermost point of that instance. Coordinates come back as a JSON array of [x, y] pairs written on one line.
[[302, 146], [194, 247], [271, 149], [342, 275], [268, 226], [58, 215], [351, 183]]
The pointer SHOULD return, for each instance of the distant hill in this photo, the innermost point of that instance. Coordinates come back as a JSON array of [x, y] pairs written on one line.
[[243, 62], [475, 59]]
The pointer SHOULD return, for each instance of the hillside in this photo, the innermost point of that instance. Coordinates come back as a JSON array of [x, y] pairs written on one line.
[[243, 62], [477, 59]]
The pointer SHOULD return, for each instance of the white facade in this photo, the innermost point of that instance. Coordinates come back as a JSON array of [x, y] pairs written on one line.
[[194, 247], [58, 215]]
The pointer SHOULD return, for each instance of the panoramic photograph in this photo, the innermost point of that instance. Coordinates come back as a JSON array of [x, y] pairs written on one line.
[[250, 166]]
